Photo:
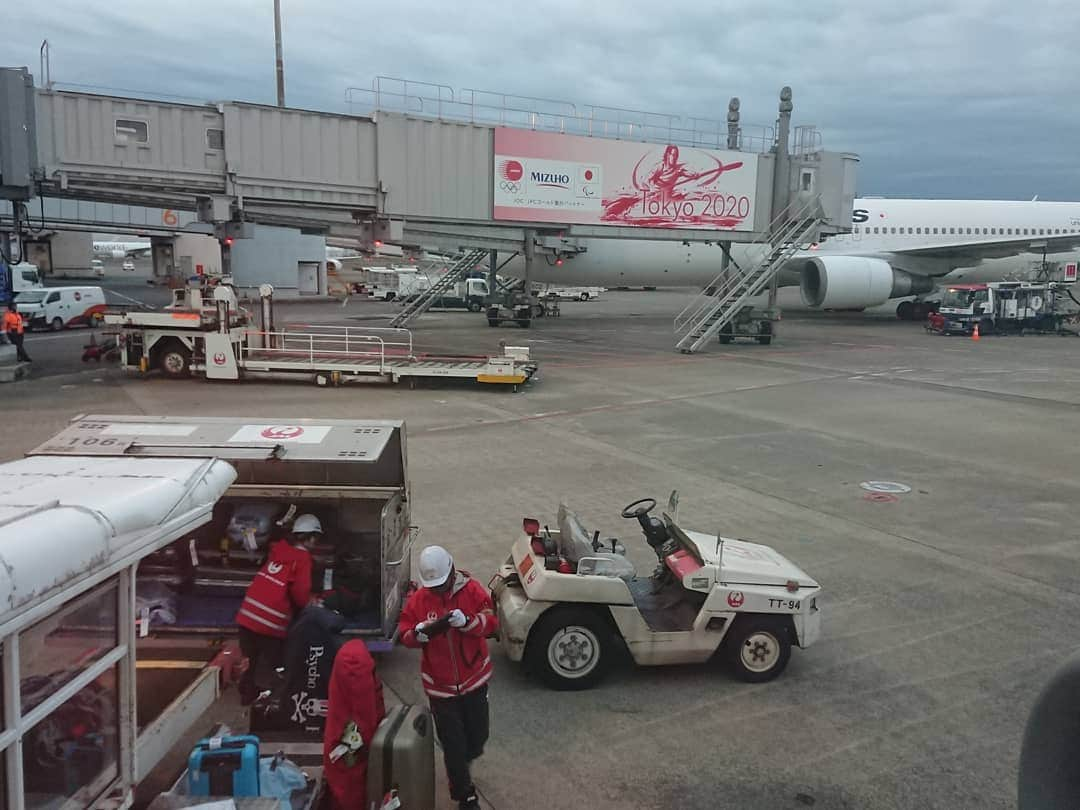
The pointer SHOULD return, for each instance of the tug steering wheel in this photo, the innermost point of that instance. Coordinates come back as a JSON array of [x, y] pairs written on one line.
[[644, 506]]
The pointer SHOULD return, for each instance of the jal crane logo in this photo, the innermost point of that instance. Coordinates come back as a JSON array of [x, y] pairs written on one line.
[[282, 432], [735, 599]]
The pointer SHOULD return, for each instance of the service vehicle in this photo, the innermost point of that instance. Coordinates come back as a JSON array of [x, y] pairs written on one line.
[[469, 293], [128, 265], [205, 332], [751, 323], [24, 276], [999, 307], [59, 307], [568, 601], [97, 268], [572, 293]]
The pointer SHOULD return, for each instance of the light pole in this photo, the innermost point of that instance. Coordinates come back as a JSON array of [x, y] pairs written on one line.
[[277, 48]]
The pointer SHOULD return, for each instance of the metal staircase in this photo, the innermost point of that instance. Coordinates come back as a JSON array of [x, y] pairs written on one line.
[[722, 300], [457, 271]]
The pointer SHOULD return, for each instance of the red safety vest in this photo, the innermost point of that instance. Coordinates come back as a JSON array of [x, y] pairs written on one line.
[[282, 587], [457, 661]]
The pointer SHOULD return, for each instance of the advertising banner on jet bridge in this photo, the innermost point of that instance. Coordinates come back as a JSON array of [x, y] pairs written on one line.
[[548, 177]]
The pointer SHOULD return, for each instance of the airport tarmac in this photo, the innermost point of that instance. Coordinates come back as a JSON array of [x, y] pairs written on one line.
[[944, 610]]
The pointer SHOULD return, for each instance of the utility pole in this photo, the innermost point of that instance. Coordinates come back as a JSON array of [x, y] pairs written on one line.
[[277, 48]]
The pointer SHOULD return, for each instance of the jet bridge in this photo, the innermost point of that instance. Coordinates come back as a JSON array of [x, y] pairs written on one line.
[[407, 168], [417, 164]]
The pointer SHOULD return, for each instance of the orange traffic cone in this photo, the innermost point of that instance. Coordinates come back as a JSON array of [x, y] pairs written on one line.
[[975, 332]]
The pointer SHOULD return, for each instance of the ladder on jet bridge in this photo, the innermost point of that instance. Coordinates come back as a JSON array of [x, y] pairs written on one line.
[[454, 273], [722, 300]]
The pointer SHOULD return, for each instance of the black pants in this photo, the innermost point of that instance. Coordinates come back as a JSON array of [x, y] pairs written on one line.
[[462, 724], [17, 341], [264, 653]]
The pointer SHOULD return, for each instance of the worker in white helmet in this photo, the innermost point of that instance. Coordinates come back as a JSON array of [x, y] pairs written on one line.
[[449, 617], [280, 589]]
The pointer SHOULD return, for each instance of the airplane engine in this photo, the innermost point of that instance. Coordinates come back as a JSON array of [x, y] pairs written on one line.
[[333, 265], [855, 282], [118, 254]]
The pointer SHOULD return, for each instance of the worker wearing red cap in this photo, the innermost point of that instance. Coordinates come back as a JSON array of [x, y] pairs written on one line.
[[449, 618]]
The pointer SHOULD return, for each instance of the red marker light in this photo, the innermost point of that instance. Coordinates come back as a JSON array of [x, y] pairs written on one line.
[[228, 241], [558, 262], [378, 243], [531, 526]]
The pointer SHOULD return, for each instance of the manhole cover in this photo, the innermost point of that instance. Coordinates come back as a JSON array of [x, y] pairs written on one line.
[[891, 487]]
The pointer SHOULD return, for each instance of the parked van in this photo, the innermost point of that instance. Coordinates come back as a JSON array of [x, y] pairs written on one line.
[[57, 307]]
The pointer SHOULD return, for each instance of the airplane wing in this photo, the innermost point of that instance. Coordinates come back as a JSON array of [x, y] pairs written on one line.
[[994, 249]]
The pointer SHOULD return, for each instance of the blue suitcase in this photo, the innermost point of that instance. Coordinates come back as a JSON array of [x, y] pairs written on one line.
[[224, 766]]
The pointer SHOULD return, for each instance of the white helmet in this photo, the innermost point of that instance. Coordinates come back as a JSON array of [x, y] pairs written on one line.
[[307, 524], [434, 566]]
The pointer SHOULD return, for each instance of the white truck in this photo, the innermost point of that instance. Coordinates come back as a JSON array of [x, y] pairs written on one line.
[[24, 276], [999, 307], [469, 293]]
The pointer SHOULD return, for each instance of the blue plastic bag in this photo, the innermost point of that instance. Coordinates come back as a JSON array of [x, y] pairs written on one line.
[[280, 782]]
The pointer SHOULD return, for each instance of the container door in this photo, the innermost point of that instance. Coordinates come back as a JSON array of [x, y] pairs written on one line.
[[396, 561], [308, 278]]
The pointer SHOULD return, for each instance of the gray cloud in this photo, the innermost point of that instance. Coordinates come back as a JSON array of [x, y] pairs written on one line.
[[972, 99]]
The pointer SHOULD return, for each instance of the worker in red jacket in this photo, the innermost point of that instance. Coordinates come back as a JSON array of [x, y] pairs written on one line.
[[354, 712], [449, 618], [281, 588]]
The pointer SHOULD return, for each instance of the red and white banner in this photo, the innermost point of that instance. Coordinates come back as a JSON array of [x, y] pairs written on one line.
[[547, 177]]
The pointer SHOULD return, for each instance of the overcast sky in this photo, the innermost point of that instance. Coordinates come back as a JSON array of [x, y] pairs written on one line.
[[963, 99]]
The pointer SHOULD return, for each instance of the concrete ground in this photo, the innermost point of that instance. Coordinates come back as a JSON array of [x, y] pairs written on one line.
[[944, 610]]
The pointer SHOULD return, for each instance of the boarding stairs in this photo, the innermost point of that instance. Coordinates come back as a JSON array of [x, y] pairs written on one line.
[[456, 272], [722, 300]]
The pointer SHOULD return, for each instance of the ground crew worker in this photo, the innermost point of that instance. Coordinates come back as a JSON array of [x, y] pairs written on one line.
[[354, 711], [14, 327], [455, 666], [281, 588]]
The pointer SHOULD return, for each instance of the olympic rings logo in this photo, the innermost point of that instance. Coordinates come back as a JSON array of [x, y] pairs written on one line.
[[509, 186]]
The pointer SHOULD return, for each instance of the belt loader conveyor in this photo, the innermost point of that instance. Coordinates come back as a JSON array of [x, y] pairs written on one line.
[[219, 343]]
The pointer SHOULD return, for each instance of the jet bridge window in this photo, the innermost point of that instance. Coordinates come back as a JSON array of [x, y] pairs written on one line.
[[215, 139], [131, 131]]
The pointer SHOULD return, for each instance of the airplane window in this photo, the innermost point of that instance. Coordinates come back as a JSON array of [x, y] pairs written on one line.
[[993, 231], [935, 230], [986, 231], [1042, 231], [1057, 230], [134, 131], [952, 230], [875, 230], [918, 230], [894, 230]]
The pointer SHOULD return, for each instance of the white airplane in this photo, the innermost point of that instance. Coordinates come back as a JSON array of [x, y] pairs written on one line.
[[897, 249], [120, 250]]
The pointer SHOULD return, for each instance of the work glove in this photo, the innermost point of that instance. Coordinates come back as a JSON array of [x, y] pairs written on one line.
[[421, 636], [457, 618]]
